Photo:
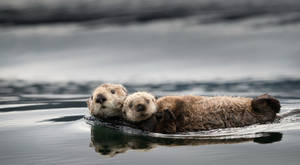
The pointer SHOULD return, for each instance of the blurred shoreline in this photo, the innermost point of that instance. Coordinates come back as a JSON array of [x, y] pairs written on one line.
[[149, 41], [124, 12], [281, 88]]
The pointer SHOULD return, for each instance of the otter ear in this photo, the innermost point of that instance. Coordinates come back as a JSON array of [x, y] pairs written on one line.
[[265, 103]]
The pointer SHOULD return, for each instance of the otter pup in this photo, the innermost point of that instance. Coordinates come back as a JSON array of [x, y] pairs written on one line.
[[107, 101], [199, 113], [139, 106]]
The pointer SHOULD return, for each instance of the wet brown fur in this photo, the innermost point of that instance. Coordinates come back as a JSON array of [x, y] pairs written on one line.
[[200, 113]]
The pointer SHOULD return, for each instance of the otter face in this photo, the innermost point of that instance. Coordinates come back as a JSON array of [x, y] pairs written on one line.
[[139, 106], [107, 100]]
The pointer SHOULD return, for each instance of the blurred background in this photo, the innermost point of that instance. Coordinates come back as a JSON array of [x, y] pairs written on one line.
[[149, 41]]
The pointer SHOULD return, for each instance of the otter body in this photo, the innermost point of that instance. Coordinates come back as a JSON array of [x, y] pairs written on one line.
[[199, 113]]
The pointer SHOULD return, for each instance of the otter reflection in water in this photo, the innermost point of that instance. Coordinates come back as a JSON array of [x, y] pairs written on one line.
[[111, 142]]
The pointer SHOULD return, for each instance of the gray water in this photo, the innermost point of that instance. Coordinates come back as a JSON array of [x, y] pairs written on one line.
[[53, 53], [41, 124]]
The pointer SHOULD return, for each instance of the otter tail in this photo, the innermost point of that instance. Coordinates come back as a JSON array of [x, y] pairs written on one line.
[[265, 103]]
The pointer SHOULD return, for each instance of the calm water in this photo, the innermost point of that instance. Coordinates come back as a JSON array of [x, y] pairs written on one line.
[[41, 124], [53, 53]]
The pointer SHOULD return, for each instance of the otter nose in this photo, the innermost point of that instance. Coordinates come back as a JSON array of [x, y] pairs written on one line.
[[140, 108], [100, 99]]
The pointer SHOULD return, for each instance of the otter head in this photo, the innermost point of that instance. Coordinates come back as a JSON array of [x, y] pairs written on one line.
[[139, 106], [107, 100]]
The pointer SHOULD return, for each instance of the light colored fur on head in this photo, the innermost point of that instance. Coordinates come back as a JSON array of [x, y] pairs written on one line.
[[113, 105], [130, 103]]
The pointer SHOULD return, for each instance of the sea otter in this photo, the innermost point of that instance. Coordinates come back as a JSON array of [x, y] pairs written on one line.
[[172, 114], [107, 101]]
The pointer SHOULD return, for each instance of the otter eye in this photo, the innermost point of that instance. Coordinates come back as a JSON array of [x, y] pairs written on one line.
[[113, 91], [130, 105], [147, 101]]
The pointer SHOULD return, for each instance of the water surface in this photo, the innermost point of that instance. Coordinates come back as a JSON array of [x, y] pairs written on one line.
[[40, 125]]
